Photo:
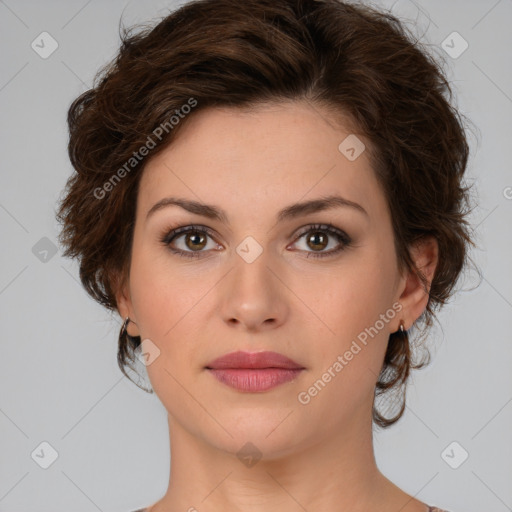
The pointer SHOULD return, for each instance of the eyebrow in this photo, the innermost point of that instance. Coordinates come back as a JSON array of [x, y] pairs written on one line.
[[289, 212]]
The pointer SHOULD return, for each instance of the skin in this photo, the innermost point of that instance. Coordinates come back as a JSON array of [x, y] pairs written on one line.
[[317, 456]]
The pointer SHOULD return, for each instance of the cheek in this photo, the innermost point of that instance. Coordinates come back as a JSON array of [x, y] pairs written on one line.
[[171, 308], [159, 293], [352, 296], [165, 307], [355, 303]]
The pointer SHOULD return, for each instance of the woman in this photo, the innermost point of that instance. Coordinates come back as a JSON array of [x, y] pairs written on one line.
[[270, 194]]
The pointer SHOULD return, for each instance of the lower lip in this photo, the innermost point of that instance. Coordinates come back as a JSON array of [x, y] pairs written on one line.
[[255, 380]]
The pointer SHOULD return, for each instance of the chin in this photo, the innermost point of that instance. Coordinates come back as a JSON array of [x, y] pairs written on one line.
[[250, 449], [266, 435]]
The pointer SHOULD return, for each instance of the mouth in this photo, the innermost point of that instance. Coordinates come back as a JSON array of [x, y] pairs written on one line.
[[254, 372]]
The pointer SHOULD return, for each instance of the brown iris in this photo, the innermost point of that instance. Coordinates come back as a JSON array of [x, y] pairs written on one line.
[[195, 237], [318, 239]]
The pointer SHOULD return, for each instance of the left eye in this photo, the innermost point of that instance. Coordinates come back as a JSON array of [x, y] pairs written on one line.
[[195, 238], [316, 238]]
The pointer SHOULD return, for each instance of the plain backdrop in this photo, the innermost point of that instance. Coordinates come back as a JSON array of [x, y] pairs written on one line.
[[59, 377]]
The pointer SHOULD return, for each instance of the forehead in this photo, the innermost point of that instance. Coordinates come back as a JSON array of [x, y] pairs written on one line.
[[260, 159]]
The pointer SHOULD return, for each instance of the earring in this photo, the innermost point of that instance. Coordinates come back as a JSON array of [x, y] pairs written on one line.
[[402, 330], [124, 333]]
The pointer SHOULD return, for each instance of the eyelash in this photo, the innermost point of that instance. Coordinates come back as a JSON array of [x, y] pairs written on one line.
[[170, 236]]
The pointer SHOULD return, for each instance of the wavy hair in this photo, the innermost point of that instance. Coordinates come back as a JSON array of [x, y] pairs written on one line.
[[360, 63]]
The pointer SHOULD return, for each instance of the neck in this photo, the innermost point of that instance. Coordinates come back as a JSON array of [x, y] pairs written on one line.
[[339, 474]]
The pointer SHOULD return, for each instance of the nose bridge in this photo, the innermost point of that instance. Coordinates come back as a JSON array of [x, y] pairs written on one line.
[[251, 272], [252, 295]]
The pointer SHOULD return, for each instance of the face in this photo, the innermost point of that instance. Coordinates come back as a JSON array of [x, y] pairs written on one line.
[[310, 284]]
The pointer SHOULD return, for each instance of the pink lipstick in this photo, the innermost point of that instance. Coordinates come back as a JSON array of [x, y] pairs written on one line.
[[254, 372]]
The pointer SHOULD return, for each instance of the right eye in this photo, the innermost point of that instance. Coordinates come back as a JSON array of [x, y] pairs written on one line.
[[193, 237]]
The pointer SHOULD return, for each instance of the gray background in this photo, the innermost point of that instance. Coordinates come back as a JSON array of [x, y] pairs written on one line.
[[59, 377]]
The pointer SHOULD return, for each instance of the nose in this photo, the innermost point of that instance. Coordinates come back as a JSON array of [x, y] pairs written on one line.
[[254, 296]]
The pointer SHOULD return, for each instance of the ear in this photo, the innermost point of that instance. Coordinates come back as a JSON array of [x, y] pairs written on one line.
[[414, 297], [125, 306]]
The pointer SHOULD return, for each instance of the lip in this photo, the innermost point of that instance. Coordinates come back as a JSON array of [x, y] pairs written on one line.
[[254, 372], [252, 360]]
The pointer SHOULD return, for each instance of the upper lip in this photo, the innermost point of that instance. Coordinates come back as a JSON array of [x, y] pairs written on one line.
[[241, 359]]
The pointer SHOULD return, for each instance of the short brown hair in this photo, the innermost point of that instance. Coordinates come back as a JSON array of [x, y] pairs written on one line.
[[354, 60]]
